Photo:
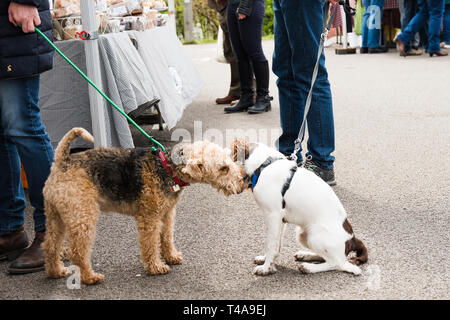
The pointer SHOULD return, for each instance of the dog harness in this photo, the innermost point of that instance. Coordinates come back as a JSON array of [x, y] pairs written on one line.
[[178, 182], [257, 172], [265, 164]]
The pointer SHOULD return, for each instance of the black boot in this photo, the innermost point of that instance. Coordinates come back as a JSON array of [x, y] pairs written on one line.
[[263, 99], [247, 94]]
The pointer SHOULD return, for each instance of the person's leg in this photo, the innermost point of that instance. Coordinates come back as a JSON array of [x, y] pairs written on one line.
[[243, 61], [12, 198], [22, 127], [416, 23], [401, 8], [446, 30], [416, 41], [250, 30], [408, 12], [13, 239], [235, 86], [436, 11], [374, 23], [304, 25], [290, 97], [408, 9], [364, 28]]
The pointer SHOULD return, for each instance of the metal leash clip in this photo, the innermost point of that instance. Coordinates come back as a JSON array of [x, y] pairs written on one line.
[[297, 145], [84, 35], [324, 35]]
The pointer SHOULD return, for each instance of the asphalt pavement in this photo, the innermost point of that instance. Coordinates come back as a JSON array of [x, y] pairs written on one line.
[[392, 122]]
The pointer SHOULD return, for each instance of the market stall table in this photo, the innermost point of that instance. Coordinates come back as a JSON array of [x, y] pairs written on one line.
[[157, 68]]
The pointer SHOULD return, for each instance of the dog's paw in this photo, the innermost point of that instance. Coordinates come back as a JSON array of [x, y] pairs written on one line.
[[264, 271], [60, 273], [158, 269], [351, 268], [300, 256], [176, 258], [94, 278], [259, 260], [357, 271], [307, 256], [355, 260], [303, 269]]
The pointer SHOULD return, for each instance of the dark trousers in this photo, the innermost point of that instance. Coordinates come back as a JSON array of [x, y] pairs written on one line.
[[235, 85], [246, 34]]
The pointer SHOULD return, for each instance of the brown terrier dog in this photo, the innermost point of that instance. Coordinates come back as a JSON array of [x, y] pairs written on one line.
[[129, 181]]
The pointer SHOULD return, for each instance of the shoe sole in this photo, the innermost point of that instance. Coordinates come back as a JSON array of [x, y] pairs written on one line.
[[10, 256], [226, 102], [332, 183], [25, 271], [243, 110], [259, 112]]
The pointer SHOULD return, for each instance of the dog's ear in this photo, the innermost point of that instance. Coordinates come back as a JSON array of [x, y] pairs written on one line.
[[224, 169], [240, 150]]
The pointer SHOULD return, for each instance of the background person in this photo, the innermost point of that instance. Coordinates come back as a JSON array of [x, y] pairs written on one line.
[[429, 10], [245, 22], [23, 55], [220, 6], [371, 26], [408, 9], [446, 25]]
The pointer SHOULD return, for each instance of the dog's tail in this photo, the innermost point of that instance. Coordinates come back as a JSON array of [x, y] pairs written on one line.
[[62, 150], [356, 245]]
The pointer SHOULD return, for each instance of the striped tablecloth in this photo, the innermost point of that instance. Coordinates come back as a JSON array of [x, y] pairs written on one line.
[[390, 4]]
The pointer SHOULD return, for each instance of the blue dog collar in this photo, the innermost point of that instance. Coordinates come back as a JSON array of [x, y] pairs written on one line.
[[254, 180]]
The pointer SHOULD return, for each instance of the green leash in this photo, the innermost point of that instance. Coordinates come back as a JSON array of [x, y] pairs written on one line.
[[101, 92]]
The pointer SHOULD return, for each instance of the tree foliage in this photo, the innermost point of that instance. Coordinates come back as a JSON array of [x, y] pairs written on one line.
[[208, 18]]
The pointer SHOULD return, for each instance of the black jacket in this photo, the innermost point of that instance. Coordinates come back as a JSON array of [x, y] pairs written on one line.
[[23, 55]]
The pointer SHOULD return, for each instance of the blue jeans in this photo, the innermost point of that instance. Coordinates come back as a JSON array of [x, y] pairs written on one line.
[[446, 31], [22, 139], [408, 9], [371, 24], [431, 10], [298, 26]]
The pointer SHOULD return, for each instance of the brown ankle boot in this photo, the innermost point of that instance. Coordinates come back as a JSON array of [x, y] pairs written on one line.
[[226, 100], [12, 245], [32, 260]]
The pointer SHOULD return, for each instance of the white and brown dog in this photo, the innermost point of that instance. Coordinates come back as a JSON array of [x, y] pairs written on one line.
[[290, 194]]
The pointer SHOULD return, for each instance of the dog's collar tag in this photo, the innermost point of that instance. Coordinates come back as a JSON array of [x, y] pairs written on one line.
[[178, 182]]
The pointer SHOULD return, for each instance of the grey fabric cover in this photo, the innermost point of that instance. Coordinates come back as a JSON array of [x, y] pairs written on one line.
[[130, 78], [175, 77], [127, 81]]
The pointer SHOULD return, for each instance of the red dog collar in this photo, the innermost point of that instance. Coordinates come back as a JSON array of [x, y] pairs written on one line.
[[178, 182]]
